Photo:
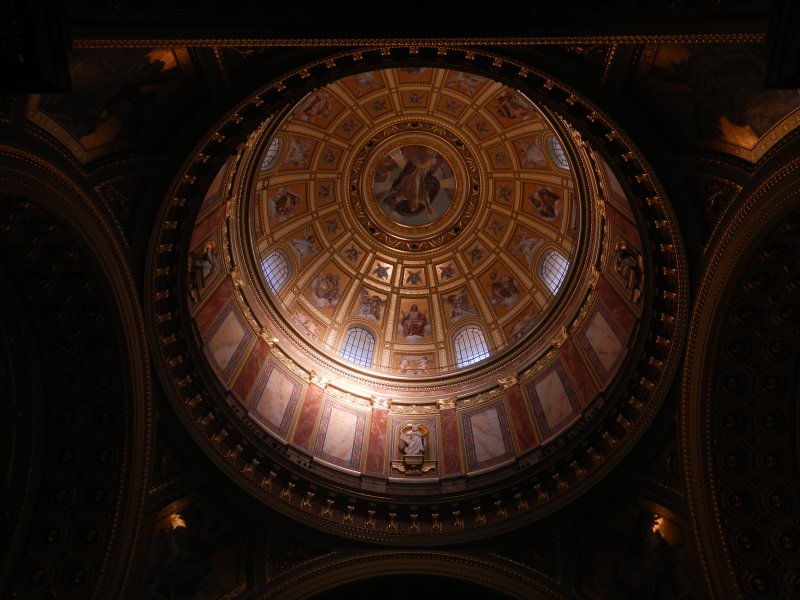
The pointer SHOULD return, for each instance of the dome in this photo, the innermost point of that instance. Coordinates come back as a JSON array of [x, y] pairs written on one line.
[[414, 221], [420, 286]]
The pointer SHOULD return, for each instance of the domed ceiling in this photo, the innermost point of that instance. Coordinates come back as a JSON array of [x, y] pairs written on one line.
[[419, 293], [431, 212]]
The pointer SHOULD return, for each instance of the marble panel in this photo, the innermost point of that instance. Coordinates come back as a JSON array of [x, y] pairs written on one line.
[[309, 412], [340, 436], [520, 418], [275, 399], [601, 341], [376, 445], [228, 340], [487, 436], [554, 400], [616, 304], [252, 368], [207, 225], [580, 372], [451, 445], [212, 305]]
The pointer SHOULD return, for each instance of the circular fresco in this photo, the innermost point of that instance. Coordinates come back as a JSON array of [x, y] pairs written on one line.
[[413, 185]]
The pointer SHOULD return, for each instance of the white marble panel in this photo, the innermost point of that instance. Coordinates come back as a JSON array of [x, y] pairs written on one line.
[[487, 435], [275, 398], [226, 340], [604, 341], [553, 398], [340, 434]]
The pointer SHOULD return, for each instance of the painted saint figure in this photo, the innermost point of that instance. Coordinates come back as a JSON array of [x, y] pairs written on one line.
[[369, 306], [504, 290], [546, 203], [283, 204], [416, 187], [325, 290], [527, 245], [413, 325]]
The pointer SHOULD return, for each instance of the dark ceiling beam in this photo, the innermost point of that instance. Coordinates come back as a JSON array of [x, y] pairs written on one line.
[[569, 21], [783, 69], [33, 46]]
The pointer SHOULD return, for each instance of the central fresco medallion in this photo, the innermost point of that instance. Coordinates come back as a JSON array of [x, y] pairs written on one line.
[[413, 185]]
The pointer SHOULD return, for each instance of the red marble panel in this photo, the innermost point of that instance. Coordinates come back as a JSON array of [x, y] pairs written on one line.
[[376, 446], [579, 372], [451, 444], [205, 227], [617, 305], [521, 422], [205, 317], [311, 407], [253, 365], [627, 228]]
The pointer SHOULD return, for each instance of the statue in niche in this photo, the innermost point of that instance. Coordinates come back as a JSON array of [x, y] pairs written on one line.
[[629, 264], [413, 448], [202, 264], [413, 442]]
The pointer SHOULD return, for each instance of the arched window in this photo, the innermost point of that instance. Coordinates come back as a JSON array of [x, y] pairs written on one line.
[[271, 155], [276, 270], [470, 347], [557, 152], [554, 269], [358, 346]]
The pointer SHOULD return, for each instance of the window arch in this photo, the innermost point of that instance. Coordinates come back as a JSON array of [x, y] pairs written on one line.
[[553, 270], [358, 346], [276, 269], [557, 152], [470, 347], [271, 155]]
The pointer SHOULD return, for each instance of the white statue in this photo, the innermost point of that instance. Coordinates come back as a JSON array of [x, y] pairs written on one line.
[[414, 442]]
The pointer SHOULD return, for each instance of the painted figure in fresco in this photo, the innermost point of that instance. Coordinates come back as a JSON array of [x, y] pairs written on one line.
[[522, 325], [352, 253], [476, 254], [497, 227], [325, 290], [512, 106], [415, 365], [317, 105], [504, 290], [531, 154], [283, 204], [416, 187], [414, 325], [546, 203], [332, 226], [447, 272], [459, 305], [414, 278], [369, 306], [366, 82], [465, 83], [298, 153], [307, 323], [413, 444], [305, 245], [381, 272], [527, 245]]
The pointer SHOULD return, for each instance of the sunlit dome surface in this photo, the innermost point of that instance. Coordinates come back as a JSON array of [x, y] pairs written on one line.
[[414, 221]]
